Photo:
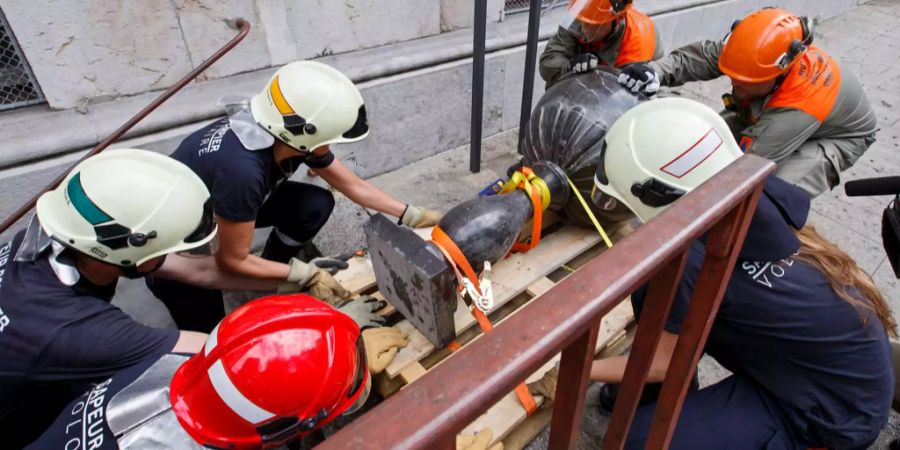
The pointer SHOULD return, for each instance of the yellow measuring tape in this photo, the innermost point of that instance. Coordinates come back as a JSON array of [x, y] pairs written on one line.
[[590, 214]]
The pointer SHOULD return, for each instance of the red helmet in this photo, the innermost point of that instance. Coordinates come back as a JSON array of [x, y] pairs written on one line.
[[272, 371]]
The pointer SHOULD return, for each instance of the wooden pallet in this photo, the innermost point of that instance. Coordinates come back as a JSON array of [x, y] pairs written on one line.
[[516, 281]]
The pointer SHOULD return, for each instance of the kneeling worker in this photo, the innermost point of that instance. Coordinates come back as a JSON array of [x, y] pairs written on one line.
[[803, 330], [599, 33], [120, 213], [246, 159], [791, 102], [273, 371]]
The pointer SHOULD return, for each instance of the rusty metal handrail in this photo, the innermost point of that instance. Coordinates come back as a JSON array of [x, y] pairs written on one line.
[[430, 412], [239, 23]]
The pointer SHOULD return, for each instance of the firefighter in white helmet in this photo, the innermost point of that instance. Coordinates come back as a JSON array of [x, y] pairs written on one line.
[[801, 327], [246, 159], [121, 213]]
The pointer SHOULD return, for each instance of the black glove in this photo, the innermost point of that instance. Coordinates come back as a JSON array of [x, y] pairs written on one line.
[[330, 264], [584, 62], [640, 77]]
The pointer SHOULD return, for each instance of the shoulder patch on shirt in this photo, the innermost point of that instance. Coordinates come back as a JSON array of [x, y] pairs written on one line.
[[745, 143]]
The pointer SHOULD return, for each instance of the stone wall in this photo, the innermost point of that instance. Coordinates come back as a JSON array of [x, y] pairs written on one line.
[[417, 90]]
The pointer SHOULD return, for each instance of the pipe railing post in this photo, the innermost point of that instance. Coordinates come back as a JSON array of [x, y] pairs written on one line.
[[656, 309], [571, 388], [723, 245], [478, 44], [534, 27]]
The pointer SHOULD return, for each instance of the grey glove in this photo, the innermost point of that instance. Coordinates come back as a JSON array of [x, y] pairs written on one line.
[[362, 311], [640, 77], [584, 62]]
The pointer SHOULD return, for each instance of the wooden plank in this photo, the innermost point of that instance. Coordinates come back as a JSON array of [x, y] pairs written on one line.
[[540, 286], [510, 277], [412, 373], [508, 412], [359, 276]]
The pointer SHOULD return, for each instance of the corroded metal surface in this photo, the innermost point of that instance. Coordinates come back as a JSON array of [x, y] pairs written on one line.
[[568, 127], [414, 277]]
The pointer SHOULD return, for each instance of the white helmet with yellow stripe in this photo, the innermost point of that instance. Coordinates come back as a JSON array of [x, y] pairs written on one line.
[[308, 104]]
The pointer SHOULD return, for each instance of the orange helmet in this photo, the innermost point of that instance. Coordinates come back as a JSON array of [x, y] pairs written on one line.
[[272, 371], [764, 45], [598, 12]]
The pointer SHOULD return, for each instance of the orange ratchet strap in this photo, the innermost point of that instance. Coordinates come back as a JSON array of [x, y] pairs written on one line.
[[458, 260]]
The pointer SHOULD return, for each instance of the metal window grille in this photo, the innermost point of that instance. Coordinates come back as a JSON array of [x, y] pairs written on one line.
[[514, 6], [18, 86]]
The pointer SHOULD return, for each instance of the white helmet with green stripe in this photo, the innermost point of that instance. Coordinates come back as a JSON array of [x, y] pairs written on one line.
[[125, 207]]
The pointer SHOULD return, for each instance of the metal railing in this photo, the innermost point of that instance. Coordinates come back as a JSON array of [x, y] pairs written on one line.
[[429, 413], [18, 87], [534, 8]]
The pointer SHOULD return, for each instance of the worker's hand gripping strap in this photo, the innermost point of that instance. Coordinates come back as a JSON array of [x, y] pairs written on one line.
[[539, 193], [458, 261]]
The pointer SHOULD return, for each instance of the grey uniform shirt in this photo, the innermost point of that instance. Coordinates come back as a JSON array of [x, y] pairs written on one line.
[[563, 46], [777, 131]]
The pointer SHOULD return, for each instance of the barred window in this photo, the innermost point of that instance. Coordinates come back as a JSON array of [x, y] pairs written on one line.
[[18, 86], [514, 6]]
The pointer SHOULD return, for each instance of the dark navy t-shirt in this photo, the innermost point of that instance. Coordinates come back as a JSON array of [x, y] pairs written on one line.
[[82, 424], [56, 340], [239, 180], [826, 363]]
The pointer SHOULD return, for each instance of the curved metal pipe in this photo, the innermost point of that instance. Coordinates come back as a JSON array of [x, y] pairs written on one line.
[[239, 23]]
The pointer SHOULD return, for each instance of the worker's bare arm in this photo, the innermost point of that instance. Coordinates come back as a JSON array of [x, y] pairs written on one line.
[[359, 190], [204, 271], [234, 252], [189, 342], [612, 370]]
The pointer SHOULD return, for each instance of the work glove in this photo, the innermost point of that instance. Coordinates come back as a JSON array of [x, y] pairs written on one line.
[[584, 62], [546, 387], [639, 77], [362, 311], [320, 283], [479, 441], [418, 217], [382, 345], [330, 264]]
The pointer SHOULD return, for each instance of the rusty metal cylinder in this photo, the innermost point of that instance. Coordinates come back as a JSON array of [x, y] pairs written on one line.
[[485, 228], [568, 127]]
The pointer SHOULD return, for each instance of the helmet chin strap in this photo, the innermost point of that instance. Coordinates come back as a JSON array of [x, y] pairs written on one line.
[[132, 272]]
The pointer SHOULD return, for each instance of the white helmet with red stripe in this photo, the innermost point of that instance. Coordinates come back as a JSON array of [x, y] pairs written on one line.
[[272, 371], [660, 150], [308, 104]]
